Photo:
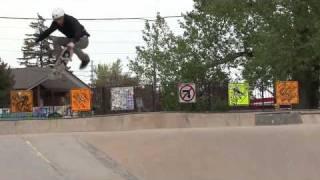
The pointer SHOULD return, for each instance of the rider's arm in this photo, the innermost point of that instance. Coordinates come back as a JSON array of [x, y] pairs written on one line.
[[77, 28], [47, 32]]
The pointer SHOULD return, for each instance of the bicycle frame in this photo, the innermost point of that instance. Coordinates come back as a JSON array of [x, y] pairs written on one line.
[[61, 63], [64, 57]]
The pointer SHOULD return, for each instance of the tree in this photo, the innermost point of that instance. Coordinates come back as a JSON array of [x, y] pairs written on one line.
[[153, 63], [39, 55], [6, 84], [212, 47], [153, 59], [200, 55], [284, 36], [113, 76]]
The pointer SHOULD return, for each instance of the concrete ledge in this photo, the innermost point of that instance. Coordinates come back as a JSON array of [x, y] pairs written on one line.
[[7, 127], [310, 118], [160, 120], [271, 119], [129, 122]]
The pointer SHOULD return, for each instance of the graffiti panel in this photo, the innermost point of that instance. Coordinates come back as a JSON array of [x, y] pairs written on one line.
[[122, 99], [81, 100], [287, 92], [21, 101]]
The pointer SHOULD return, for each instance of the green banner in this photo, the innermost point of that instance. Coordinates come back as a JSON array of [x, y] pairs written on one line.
[[238, 94]]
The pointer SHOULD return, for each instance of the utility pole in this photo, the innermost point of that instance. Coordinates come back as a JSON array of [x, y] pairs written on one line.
[[92, 74], [154, 85]]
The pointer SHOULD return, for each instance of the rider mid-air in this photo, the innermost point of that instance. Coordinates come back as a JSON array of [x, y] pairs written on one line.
[[77, 37]]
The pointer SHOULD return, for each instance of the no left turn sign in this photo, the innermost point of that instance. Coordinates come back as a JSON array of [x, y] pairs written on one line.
[[187, 93]]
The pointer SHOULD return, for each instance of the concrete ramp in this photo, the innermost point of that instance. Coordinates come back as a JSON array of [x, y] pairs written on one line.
[[248, 153]]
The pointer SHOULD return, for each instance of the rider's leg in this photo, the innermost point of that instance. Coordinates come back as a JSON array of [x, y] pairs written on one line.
[[57, 43], [84, 57], [82, 44]]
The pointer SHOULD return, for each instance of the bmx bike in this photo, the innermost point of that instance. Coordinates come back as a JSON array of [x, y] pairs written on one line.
[[61, 64]]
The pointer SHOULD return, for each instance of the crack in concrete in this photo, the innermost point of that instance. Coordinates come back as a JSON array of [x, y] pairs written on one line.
[[107, 161]]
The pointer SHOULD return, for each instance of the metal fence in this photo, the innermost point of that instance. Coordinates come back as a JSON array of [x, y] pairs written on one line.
[[145, 100], [209, 98], [47, 112]]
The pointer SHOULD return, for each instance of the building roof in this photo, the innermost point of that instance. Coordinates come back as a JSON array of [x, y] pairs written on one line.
[[31, 77]]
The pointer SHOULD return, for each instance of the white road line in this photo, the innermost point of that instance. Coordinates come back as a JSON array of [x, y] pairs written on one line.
[[38, 153]]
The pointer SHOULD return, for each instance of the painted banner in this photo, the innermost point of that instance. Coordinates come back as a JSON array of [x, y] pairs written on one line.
[[238, 94], [21, 101], [187, 93], [287, 92], [81, 100], [122, 99]]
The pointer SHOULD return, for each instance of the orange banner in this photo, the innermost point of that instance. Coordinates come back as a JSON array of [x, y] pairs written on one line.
[[21, 101], [287, 92], [81, 100]]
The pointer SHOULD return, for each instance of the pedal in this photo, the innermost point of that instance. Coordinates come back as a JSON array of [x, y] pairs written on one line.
[[66, 54]]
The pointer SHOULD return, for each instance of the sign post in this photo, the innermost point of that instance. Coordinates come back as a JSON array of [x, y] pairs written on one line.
[[187, 93]]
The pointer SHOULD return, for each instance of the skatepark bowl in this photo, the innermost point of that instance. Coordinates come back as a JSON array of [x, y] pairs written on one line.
[[164, 146]]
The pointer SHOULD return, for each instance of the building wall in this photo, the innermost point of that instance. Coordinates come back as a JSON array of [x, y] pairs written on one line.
[[49, 97]]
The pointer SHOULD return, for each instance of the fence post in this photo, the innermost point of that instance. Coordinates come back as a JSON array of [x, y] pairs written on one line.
[[210, 97], [154, 97], [263, 108], [104, 100]]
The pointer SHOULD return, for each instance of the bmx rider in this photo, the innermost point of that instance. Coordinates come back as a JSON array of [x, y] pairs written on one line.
[[77, 38]]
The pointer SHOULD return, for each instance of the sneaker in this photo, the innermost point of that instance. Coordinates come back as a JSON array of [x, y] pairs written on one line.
[[85, 59], [84, 64]]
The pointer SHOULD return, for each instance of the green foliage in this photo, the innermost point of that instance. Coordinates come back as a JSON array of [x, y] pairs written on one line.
[[113, 76], [6, 84], [199, 56], [153, 62], [269, 40], [41, 54], [284, 36], [169, 98]]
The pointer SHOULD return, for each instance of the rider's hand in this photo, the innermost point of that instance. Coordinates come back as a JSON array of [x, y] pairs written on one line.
[[71, 45]]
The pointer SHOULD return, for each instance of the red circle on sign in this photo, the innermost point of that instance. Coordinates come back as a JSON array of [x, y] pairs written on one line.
[[191, 89]]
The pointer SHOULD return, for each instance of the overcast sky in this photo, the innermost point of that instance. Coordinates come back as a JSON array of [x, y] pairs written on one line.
[[109, 39]]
